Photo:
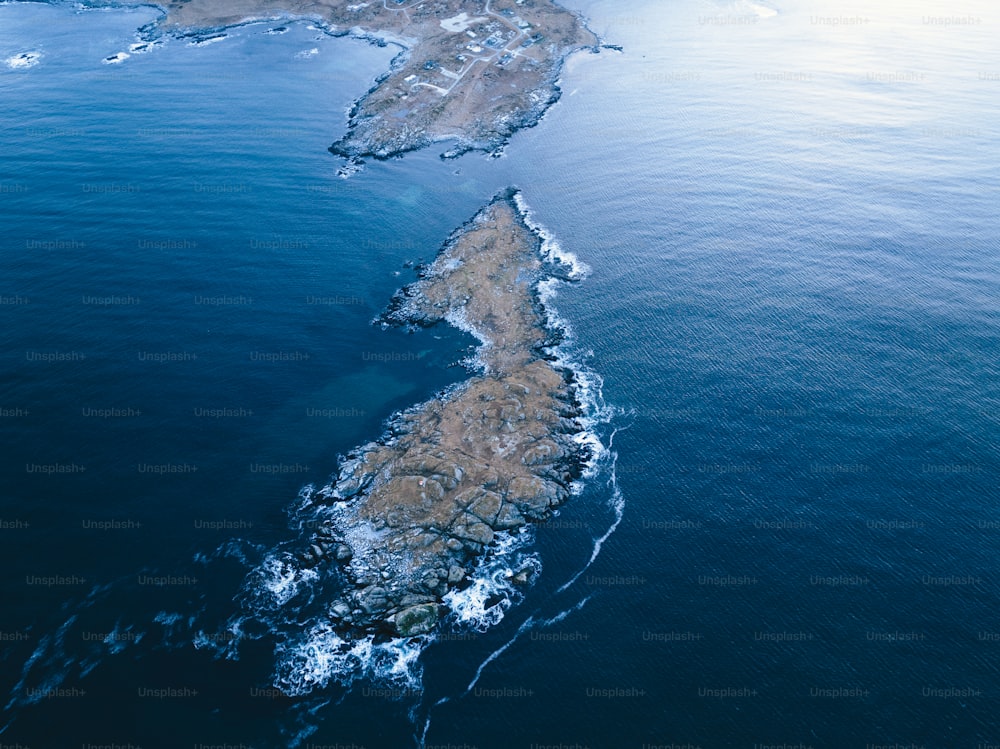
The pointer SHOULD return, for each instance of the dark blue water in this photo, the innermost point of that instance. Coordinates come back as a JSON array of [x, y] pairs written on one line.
[[792, 230]]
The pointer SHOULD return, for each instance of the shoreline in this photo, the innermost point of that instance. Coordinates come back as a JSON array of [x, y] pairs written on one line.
[[420, 100], [410, 518]]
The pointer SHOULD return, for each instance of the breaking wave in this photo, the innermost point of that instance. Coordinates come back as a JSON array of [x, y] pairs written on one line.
[[23, 61], [322, 656], [551, 250], [283, 604], [493, 591], [290, 600]]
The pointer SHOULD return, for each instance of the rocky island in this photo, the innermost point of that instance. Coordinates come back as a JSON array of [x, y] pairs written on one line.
[[410, 516], [473, 71]]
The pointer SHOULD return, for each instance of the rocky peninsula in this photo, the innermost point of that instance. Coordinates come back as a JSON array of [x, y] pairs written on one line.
[[411, 516], [473, 71]]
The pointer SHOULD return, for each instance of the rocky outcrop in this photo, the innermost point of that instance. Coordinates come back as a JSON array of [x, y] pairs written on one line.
[[413, 513], [445, 84]]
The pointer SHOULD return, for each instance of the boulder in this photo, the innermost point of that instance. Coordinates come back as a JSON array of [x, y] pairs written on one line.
[[475, 530], [372, 599], [486, 506], [416, 620], [523, 576], [354, 484], [340, 610], [543, 451], [533, 496], [508, 517]]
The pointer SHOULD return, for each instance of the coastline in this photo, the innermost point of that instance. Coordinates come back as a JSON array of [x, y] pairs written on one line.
[[486, 102], [409, 517], [354, 593], [430, 528], [491, 564]]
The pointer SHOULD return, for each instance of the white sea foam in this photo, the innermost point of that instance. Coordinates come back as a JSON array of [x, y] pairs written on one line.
[[49, 657], [492, 592], [168, 619], [121, 637], [234, 548], [321, 656], [297, 513], [207, 40], [529, 624], [23, 60], [116, 59], [279, 579], [59, 656], [589, 388], [526, 626], [224, 644], [551, 250], [202, 641], [589, 385], [310, 654], [596, 412], [142, 47], [290, 600], [306, 53], [617, 504], [477, 361], [350, 168]]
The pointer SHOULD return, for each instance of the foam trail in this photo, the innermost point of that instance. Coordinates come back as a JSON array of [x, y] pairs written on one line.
[[617, 503], [526, 626], [51, 656], [50, 662]]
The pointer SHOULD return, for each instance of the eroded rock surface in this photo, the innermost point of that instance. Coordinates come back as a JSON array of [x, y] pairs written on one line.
[[415, 512], [471, 70]]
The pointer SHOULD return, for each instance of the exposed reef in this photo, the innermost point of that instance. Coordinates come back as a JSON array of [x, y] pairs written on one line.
[[412, 514], [470, 71]]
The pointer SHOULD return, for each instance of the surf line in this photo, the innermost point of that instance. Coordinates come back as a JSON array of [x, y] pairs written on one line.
[[530, 623]]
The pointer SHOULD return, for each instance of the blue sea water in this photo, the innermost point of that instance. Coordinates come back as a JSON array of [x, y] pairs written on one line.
[[789, 212]]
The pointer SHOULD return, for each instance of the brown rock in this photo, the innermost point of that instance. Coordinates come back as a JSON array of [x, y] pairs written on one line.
[[457, 470]]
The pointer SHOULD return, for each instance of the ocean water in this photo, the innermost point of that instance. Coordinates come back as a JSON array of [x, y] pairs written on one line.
[[789, 215]]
